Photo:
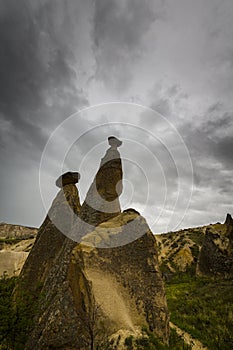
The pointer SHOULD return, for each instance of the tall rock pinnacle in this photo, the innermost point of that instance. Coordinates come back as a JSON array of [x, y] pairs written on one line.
[[102, 199], [51, 236], [102, 202]]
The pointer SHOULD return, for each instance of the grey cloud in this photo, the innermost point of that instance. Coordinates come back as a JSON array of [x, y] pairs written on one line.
[[119, 27], [34, 66], [212, 137], [39, 88], [122, 22], [162, 106], [55, 53], [223, 151]]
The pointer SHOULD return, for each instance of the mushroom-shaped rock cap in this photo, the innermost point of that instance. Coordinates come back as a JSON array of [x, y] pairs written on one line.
[[114, 141], [67, 179]]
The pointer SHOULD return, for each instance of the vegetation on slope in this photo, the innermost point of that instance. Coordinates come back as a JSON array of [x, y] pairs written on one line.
[[149, 342], [15, 319], [178, 251], [203, 308]]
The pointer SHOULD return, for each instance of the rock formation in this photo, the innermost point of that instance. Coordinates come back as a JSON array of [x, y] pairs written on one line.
[[68, 179], [8, 231], [96, 285], [125, 280], [229, 220], [50, 239], [216, 255], [102, 199], [178, 251], [15, 243]]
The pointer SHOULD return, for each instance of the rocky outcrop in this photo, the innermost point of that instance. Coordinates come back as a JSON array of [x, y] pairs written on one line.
[[15, 243], [104, 281], [9, 231], [68, 178], [216, 255], [125, 281], [100, 291], [178, 251], [203, 250], [102, 199], [50, 239], [11, 262], [229, 220]]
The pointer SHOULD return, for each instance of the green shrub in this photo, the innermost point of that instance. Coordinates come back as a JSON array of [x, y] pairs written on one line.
[[16, 317], [129, 342]]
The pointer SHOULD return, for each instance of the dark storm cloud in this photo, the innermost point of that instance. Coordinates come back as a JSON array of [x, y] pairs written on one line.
[[34, 66], [212, 136], [57, 56], [122, 22], [39, 88], [210, 143], [119, 27], [224, 151]]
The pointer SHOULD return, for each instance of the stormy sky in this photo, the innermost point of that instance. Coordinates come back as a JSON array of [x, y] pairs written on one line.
[[157, 74]]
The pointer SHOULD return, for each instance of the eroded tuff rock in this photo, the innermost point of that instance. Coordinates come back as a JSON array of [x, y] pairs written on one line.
[[103, 290], [178, 251], [49, 240], [9, 231], [57, 325], [102, 202], [90, 292], [216, 255], [15, 243], [125, 280]]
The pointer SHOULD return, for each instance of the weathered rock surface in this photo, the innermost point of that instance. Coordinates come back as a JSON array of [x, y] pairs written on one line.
[[50, 239], [90, 292], [203, 250], [102, 291], [15, 243], [216, 255], [102, 202], [11, 262], [9, 231], [125, 280], [178, 251]]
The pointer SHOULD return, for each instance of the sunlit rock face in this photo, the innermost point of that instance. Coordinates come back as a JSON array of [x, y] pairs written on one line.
[[124, 280]]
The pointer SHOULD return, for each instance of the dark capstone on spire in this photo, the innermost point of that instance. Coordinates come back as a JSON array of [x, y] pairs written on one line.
[[114, 141], [68, 179]]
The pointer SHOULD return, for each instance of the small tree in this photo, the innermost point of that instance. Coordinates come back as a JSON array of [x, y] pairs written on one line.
[[94, 327]]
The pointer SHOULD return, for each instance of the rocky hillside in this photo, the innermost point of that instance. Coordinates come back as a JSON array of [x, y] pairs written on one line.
[[204, 250], [179, 251], [8, 232], [15, 243]]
